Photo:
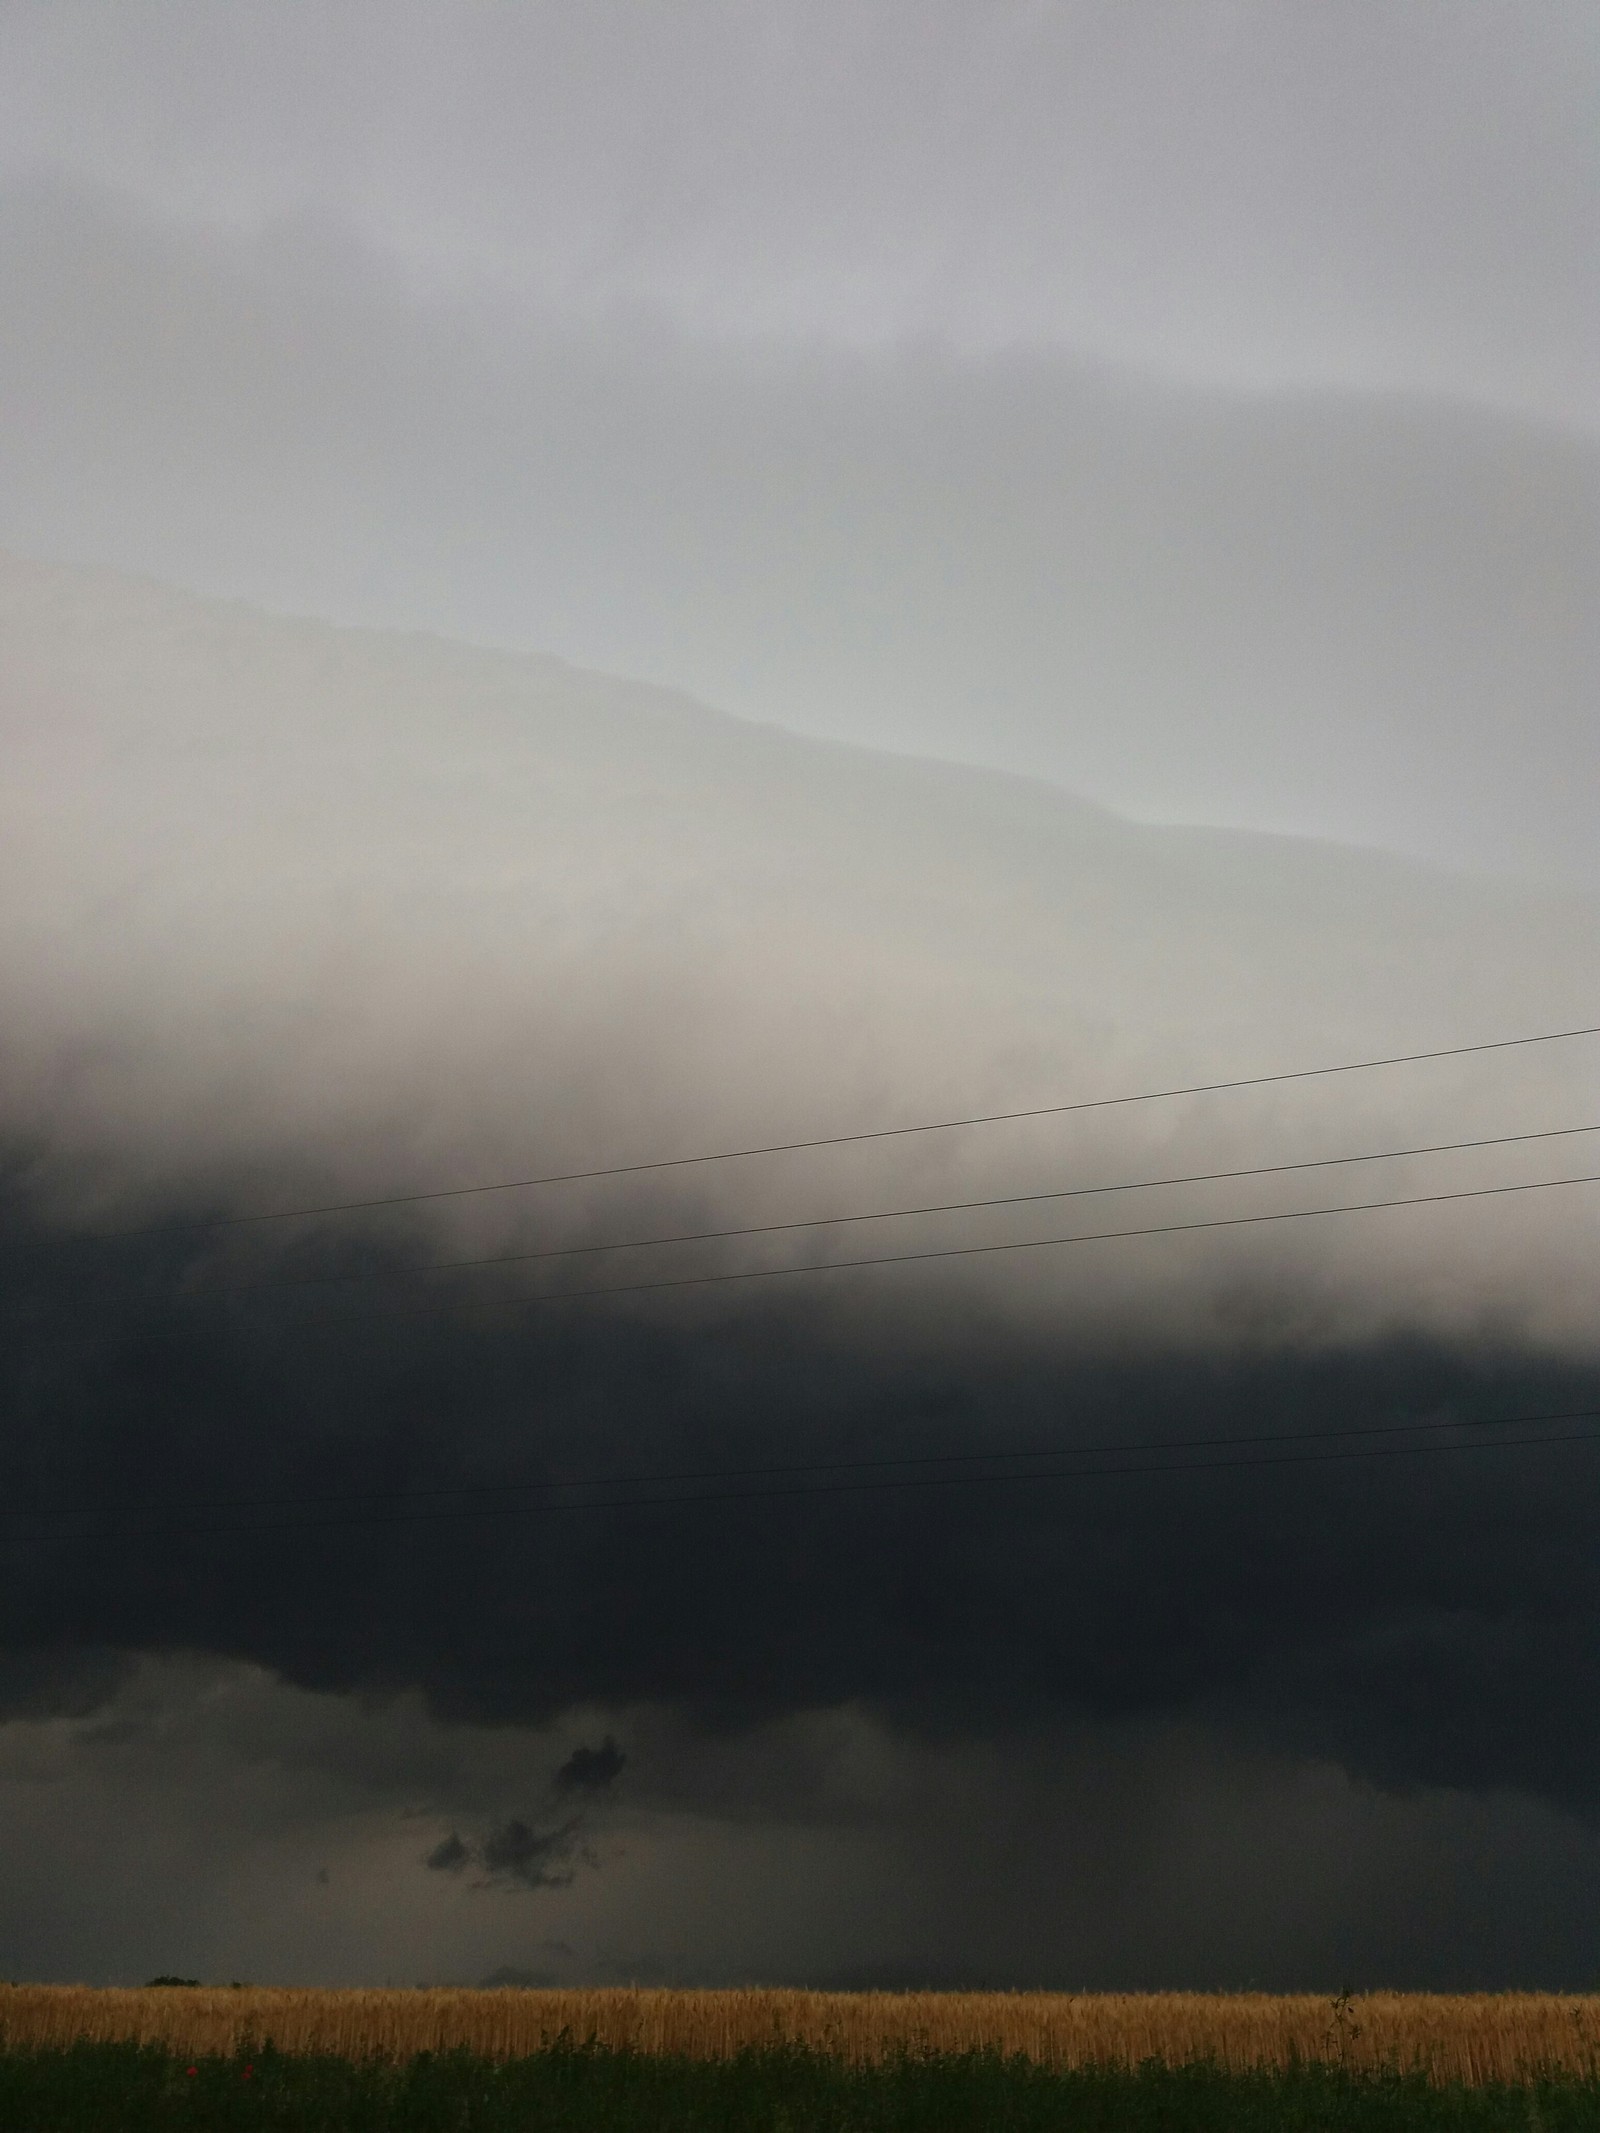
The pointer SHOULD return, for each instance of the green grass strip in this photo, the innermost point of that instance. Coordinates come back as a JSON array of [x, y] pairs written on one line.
[[124, 2088]]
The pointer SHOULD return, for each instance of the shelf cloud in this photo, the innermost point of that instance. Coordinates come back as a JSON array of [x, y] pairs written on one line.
[[299, 915], [798, 938]]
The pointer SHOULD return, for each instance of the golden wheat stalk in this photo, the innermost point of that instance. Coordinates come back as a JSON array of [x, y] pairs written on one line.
[[1469, 2037]]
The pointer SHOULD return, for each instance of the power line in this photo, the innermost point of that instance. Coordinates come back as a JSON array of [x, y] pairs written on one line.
[[1185, 1466], [789, 1468], [1286, 1451], [901, 1214], [841, 1140], [980, 1251]]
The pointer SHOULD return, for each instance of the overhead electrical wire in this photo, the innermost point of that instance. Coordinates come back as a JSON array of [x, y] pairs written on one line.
[[525, 1300], [786, 1468], [841, 1140], [1241, 1451], [1251, 1449], [902, 1214]]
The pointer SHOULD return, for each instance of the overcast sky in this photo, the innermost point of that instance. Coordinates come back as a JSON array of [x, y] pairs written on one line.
[[1372, 195], [1193, 405], [1189, 407]]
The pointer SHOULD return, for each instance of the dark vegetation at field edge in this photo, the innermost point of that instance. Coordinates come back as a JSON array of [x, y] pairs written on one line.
[[123, 2088]]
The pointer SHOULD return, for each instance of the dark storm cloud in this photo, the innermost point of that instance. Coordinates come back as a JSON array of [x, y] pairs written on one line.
[[46, 1681], [295, 914], [534, 1859], [513, 1855], [1427, 1620], [591, 1769], [1190, 405]]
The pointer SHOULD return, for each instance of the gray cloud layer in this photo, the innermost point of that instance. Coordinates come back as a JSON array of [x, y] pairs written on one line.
[[295, 913], [1193, 408], [285, 898], [1354, 618], [1370, 196], [214, 1822]]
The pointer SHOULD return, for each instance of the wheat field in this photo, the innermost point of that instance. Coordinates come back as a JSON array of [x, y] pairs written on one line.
[[1472, 2038]]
